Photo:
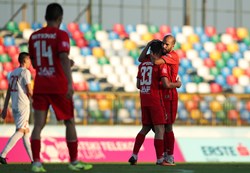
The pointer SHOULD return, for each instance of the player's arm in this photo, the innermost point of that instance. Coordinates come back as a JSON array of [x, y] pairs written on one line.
[[29, 90], [65, 62], [144, 52], [138, 83], [6, 102], [167, 84]]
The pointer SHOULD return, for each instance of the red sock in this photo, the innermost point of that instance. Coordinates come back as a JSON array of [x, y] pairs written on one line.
[[35, 148], [159, 148], [72, 147], [169, 139], [138, 143]]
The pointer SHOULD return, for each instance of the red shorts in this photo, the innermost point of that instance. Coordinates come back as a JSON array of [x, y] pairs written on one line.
[[153, 115], [63, 107], [171, 110]]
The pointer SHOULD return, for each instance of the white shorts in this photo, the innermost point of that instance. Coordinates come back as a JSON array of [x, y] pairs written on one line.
[[21, 117]]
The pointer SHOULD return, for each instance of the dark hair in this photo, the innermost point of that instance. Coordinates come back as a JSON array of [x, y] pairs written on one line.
[[22, 57], [53, 12], [156, 47]]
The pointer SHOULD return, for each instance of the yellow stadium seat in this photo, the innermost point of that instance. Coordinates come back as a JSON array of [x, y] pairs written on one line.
[[98, 52], [23, 25], [215, 55], [242, 32], [237, 72]]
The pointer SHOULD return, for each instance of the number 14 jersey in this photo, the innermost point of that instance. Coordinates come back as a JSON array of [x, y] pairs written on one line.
[[45, 45]]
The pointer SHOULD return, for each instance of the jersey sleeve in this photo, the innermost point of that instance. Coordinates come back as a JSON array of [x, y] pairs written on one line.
[[63, 44], [171, 58], [138, 73], [164, 71]]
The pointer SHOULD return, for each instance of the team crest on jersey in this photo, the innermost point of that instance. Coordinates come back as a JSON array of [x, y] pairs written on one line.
[[46, 71]]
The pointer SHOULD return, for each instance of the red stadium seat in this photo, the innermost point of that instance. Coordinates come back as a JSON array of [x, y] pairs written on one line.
[[221, 47], [118, 28], [231, 80], [164, 29], [3, 84], [215, 88], [72, 27], [209, 63], [8, 66], [210, 31]]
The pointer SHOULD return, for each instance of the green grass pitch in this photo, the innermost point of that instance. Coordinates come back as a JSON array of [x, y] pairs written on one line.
[[140, 168]]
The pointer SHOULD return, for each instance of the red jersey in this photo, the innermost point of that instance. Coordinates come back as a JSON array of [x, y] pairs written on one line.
[[44, 48], [150, 77], [172, 61]]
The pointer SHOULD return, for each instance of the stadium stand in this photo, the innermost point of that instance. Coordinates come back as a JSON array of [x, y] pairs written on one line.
[[213, 67]]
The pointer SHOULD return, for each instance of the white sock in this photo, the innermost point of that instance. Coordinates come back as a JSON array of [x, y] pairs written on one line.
[[135, 156], [11, 143], [26, 143]]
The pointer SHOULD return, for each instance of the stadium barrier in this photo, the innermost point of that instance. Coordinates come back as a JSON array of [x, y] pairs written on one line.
[[113, 108]]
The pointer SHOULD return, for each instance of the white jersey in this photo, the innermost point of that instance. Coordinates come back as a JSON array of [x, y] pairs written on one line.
[[18, 80]]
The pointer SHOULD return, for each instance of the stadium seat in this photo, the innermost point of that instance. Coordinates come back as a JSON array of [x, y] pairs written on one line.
[[98, 52], [191, 87], [210, 31], [209, 46], [117, 44], [204, 88], [242, 33], [101, 35], [84, 27], [187, 30], [141, 29], [164, 30], [3, 84]]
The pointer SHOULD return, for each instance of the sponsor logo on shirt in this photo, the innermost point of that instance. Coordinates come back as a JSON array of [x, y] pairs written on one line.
[[46, 71], [145, 89]]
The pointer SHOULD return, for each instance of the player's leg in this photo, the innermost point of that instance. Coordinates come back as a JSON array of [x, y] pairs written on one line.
[[158, 142], [27, 145], [40, 105], [146, 121], [21, 122], [10, 144], [169, 138], [39, 122], [140, 137], [64, 110]]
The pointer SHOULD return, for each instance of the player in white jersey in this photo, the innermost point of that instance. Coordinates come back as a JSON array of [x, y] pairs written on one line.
[[20, 91]]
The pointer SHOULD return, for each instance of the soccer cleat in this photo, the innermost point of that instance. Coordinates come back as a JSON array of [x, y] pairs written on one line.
[[132, 160], [80, 166], [170, 160], [3, 160], [36, 168], [163, 163]]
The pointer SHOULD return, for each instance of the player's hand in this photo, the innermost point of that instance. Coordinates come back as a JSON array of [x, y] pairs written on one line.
[[178, 81], [70, 91], [72, 63], [4, 113]]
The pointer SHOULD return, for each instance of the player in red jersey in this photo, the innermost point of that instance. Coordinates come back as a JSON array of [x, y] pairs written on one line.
[[49, 49], [170, 96], [153, 112]]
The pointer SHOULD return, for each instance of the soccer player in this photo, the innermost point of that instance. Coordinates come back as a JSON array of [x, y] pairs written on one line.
[[20, 92], [49, 49], [153, 112], [170, 96]]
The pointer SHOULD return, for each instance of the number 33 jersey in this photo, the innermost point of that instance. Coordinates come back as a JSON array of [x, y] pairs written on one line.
[[18, 80], [150, 76], [45, 45]]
